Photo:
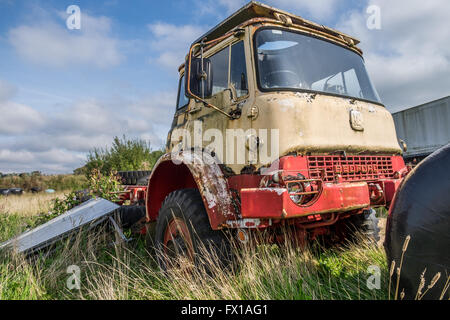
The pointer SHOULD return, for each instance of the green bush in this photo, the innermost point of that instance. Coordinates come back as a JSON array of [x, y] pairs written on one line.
[[123, 155], [99, 185]]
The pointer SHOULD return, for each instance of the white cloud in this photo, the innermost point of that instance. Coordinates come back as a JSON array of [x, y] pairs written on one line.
[[57, 139], [158, 107], [409, 58], [172, 42], [50, 43], [317, 9], [54, 160], [15, 157], [88, 116], [58, 142], [16, 118], [7, 90]]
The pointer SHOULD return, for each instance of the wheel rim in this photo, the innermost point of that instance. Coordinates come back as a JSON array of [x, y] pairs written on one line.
[[177, 240]]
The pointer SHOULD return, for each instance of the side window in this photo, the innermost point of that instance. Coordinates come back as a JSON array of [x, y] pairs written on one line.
[[238, 72], [182, 99], [219, 63]]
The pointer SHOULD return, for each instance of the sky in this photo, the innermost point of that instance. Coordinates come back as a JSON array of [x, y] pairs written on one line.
[[66, 91]]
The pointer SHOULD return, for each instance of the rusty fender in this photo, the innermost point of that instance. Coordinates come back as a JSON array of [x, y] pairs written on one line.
[[197, 170]]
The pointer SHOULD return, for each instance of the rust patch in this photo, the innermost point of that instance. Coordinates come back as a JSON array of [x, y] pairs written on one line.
[[210, 182]]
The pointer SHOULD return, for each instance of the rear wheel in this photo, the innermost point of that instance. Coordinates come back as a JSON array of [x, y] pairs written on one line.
[[183, 230]]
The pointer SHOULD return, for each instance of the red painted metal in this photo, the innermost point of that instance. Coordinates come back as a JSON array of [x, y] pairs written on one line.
[[390, 187], [332, 184], [277, 204], [240, 181], [134, 194], [165, 178], [351, 168], [191, 170]]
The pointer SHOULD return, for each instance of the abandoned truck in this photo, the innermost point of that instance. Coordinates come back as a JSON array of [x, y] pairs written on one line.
[[335, 152]]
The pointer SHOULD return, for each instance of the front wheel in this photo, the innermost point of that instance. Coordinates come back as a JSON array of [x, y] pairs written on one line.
[[183, 230]]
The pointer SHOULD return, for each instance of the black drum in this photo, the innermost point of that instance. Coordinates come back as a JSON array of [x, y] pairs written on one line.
[[421, 210]]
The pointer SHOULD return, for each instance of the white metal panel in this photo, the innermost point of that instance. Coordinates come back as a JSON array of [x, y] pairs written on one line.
[[56, 228], [424, 128]]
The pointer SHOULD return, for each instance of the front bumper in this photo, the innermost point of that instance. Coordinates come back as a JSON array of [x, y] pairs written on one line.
[[275, 203]]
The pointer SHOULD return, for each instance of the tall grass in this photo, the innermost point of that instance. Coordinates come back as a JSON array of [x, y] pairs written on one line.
[[129, 271], [18, 213], [28, 204], [58, 182]]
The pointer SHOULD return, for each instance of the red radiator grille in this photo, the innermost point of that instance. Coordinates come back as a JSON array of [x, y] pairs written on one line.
[[351, 168]]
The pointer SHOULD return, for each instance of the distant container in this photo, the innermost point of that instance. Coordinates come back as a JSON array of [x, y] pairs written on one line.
[[424, 128], [49, 191]]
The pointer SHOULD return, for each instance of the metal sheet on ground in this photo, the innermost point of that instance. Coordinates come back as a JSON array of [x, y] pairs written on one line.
[[57, 228]]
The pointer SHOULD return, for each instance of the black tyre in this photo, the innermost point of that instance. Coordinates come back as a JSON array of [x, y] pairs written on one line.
[[183, 228], [129, 215], [16, 191], [134, 177], [83, 195], [143, 181], [421, 210], [366, 224], [34, 190]]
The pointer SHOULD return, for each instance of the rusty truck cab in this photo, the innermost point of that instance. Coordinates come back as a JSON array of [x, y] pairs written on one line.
[[284, 84]]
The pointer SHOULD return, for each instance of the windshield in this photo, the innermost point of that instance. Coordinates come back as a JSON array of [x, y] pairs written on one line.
[[290, 60]]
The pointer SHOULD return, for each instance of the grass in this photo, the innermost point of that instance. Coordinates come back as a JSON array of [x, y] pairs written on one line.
[[129, 270], [58, 182], [19, 213]]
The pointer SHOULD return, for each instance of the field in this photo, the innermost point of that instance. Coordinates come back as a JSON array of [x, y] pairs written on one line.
[[58, 182], [128, 271]]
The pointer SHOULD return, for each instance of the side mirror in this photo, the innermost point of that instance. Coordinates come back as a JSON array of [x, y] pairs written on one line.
[[200, 82]]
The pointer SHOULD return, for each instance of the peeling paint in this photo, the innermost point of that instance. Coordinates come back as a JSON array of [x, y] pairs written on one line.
[[309, 97], [279, 191], [211, 183]]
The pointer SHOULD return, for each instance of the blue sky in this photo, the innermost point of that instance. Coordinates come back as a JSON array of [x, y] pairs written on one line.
[[63, 92]]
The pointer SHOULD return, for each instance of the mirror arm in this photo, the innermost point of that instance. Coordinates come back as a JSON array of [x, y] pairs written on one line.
[[188, 78]]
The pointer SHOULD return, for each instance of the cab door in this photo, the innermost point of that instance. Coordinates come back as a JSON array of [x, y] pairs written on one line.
[[232, 95]]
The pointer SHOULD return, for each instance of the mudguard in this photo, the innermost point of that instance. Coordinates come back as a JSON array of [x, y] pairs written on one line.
[[421, 209], [187, 169]]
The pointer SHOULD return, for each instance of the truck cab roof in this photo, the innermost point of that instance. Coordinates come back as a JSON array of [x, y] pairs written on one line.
[[256, 12]]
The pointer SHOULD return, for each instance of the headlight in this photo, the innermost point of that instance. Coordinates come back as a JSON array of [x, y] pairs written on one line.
[[293, 188]]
